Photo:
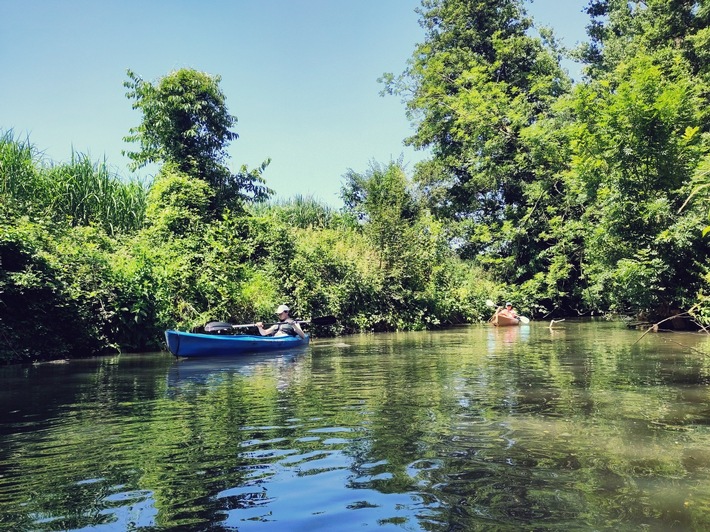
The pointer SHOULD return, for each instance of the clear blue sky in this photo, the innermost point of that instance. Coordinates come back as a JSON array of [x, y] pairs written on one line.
[[299, 75]]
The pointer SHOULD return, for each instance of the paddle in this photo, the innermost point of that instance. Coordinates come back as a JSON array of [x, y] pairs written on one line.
[[324, 320], [522, 319]]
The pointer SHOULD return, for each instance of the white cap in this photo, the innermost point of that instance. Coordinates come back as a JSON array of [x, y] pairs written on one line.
[[282, 308]]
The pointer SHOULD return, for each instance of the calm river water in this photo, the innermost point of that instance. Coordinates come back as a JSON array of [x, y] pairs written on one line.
[[581, 427]]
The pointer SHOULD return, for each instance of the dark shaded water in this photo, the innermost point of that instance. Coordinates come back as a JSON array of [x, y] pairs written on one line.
[[474, 428]]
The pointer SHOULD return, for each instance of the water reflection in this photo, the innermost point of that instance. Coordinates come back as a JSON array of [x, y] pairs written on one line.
[[212, 371], [502, 336], [473, 428]]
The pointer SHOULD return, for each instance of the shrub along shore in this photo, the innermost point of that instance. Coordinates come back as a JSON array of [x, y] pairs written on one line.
[[568, 198], [116, 273]]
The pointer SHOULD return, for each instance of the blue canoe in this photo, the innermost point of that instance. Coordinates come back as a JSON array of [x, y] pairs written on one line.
[[185, 344]]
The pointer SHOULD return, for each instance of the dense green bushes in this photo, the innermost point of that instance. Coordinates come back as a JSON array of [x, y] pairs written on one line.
[[75, 286], [56, 291]]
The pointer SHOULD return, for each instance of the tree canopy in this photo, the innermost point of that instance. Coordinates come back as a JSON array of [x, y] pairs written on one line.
[[569, 192], [186, 124]]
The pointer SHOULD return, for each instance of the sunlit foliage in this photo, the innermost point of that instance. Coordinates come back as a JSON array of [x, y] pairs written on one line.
[[185, 123], [80, 192]]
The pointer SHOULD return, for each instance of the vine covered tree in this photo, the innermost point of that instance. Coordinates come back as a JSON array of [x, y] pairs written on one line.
[[186, 124]]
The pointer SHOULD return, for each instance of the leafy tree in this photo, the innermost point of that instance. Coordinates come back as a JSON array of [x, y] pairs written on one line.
[[382, 198], [408, 244], [638, 142], [572, 196], [186, 123], [482, 91], [619, 29]]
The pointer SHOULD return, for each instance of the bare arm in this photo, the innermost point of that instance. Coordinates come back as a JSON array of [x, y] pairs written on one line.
[[265, 332], [299, 331]]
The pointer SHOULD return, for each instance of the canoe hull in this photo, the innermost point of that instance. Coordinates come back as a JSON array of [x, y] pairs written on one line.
[[184, 344], [504, 321]]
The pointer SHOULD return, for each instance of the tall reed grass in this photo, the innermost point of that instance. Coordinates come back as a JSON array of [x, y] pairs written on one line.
[[81, 192], [88, 192], [304, 212], [18, 170]]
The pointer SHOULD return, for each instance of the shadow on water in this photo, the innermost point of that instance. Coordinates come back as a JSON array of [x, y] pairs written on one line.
[[580, 427]]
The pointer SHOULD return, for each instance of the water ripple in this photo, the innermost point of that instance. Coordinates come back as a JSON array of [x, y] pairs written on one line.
[[469, 429]]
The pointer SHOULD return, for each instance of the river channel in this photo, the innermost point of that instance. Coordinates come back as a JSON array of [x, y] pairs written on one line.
[[584, 426]]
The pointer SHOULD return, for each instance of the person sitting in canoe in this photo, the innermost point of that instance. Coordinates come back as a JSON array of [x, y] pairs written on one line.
[[285, 327], [508, 311]]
